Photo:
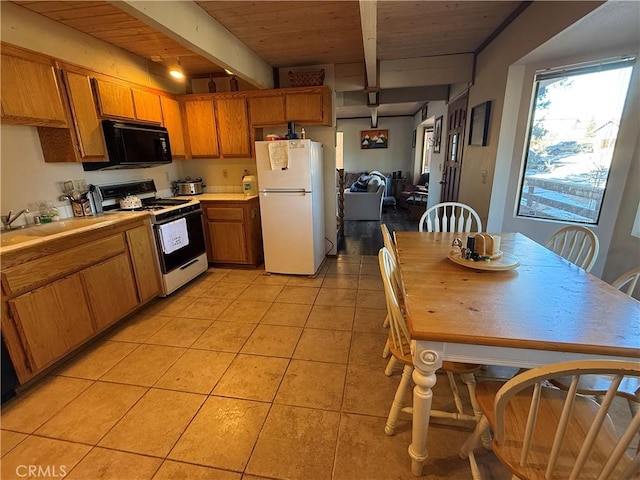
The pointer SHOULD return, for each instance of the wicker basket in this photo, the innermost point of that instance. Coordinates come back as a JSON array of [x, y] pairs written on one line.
[[306, 79]]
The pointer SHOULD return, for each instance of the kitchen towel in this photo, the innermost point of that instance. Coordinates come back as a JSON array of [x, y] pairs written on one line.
[[174, 236]]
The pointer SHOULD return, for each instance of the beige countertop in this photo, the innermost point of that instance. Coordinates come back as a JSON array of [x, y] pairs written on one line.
[[45, 232], [228, 197]]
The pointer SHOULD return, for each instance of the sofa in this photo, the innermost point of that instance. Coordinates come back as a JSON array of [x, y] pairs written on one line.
[[364, 201]]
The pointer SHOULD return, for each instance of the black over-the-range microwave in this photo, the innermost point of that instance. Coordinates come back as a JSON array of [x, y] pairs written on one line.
[[132, 145]]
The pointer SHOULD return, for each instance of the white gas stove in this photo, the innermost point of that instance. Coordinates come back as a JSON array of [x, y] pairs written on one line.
[[177, 228]]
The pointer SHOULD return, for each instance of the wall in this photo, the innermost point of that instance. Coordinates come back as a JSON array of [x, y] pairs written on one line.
[[26, 179], [398, 155], [539, 22], [624, 249]]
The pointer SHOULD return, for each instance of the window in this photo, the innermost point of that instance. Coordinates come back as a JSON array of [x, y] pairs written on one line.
[[572, 134]]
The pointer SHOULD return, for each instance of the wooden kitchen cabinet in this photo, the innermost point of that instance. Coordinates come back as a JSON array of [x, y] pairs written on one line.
[[53, 320], [30, 90], [114, 100], [116, 276], [172, 120], [147, 106], [121, 101], [307, 105], [143, 258], [267, 110], [200, 122], [304, 107], [233, 127], [233, 233], [59, 294], [85, 117]]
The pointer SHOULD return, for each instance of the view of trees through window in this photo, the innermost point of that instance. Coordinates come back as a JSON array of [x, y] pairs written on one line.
[[573, 131]]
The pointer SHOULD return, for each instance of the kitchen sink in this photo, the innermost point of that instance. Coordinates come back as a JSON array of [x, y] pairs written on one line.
[[31, 232]]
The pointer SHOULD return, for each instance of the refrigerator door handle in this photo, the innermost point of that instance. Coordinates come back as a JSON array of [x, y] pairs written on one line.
[[299, 191]]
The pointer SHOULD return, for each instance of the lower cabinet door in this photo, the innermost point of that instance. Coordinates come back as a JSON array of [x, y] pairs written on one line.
[[53, 319], [143, 258], [111, 290], [228, 244]]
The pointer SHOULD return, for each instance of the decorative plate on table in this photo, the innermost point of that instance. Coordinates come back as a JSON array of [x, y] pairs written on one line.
[[504, 262]]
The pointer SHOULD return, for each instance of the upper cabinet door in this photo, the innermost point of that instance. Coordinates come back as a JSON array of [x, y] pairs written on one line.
[[147, 106], [267, 110], [114, 100], [233, 127], [172, 120], [30, 94], [304, 107], [201, 128], [85, 116]]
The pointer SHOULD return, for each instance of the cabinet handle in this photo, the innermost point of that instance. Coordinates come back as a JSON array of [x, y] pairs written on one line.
[[254, 213]]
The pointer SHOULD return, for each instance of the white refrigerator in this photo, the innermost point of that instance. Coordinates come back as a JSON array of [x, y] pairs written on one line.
[[291, 205]]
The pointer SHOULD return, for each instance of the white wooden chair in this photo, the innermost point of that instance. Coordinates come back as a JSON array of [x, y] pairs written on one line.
[[627, 282], [450, 217], [577, 244], [400, 340], [389, 245], [542, 432]]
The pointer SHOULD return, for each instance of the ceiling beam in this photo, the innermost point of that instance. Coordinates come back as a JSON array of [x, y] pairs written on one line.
[[369, 25], [193, 27]]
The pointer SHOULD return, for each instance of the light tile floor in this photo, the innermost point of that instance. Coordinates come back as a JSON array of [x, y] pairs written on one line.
[[239, 375]]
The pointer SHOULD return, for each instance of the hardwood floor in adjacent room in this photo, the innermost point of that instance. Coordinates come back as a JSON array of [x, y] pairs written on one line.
[[363, 237]]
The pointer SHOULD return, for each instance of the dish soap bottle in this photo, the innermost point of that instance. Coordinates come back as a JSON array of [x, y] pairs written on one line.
[[303, 134]]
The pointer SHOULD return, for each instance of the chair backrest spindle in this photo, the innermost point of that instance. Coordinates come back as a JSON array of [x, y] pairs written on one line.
[[450, 217], [576, 244]]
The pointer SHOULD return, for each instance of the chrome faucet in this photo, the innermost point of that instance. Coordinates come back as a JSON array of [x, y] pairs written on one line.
[[7, 220]]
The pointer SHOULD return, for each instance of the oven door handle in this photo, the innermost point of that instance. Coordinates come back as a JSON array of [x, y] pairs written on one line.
[[178, 217]]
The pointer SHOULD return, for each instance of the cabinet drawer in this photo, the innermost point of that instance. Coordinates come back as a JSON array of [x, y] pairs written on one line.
[[43, 270], [225, 214]]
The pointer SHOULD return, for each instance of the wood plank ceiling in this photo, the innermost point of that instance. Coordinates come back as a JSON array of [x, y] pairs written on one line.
[[297, 33]]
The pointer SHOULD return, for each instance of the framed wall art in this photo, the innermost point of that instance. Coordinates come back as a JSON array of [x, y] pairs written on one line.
[[370, 139], [413, 139], [437, 134], [479, 129]]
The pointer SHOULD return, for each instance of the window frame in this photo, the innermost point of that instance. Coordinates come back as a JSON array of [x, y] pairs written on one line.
[[567, 71]]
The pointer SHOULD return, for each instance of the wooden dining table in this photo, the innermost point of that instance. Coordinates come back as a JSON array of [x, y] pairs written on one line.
[[544, 310]]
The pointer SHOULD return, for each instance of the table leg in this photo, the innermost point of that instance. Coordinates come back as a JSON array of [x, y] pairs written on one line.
[[426, 361]]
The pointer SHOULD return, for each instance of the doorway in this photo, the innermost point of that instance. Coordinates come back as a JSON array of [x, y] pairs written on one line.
[[456, 120]]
